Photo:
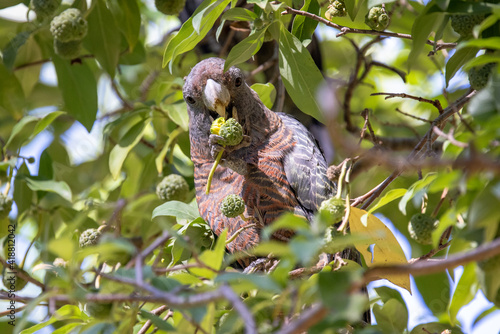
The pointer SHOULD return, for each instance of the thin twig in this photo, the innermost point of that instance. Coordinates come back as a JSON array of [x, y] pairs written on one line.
[[435, 103], [148, 323], [450, 137]]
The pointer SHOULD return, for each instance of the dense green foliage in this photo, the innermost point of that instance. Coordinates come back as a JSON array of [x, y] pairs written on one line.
[[433, 139]]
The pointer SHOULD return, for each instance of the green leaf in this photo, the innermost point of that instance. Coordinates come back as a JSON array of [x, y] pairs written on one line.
[[300, 74], [66, 312], [481, 60], [103, 38], [58, 187], [211, 258], [387, 198], [261, 282], [11, 93], [23, 195], [21, 132], [121, 150], [303, 27], [459, 58], [79, 90], [176, 209], [28, 76], [287, 221], [245, 49], [178, 113], [11, 50], [420, 31], [9, 3], [336, 297], [414, 188], [157, 321], [45, 122], [435, 290], [235, 14], [239, 14], [483, 43], [62, 247], [187, 38], [128, 19], [465, 291], [266, 92], [392, 316]]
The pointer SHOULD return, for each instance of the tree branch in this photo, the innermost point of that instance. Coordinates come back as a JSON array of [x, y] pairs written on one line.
[[425, 267], [346, 30]]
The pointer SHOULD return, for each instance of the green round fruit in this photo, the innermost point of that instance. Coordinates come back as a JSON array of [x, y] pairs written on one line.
[[336, 9], [89, 237], [45, 9], [334, 208], [67, 50], [232, 206], [170, 7], [173, 188], [231, 132], [463, 24], [69, 26], [421, 227], [479, 75], [11, 281], [5, 205], [377, 18]]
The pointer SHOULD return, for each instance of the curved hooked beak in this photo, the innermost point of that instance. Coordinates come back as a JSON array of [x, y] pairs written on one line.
[[216, 97]]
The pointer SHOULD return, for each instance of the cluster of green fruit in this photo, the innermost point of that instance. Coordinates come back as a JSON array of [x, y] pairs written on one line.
[[5, 205], [170, 7], [376, 18], [93, 237], [336, 8], [68, 28]]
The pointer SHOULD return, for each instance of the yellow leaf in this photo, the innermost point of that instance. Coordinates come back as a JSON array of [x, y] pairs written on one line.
[[386, 250]]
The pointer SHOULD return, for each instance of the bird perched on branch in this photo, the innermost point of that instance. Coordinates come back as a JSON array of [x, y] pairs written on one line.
[[278, 167]]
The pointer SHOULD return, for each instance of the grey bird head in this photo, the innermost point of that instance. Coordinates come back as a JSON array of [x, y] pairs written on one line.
[[211, 93]]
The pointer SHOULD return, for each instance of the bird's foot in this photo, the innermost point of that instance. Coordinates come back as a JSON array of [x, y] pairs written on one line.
[[265, 265]]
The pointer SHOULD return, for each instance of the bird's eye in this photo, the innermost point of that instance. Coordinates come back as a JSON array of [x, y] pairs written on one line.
[[190, 100], [238, 82]]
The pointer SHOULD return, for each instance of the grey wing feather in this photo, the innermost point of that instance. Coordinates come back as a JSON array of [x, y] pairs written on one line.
[[305, 167]]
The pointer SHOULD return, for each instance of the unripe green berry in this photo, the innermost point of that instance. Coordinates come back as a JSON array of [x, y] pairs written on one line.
[[67, 50], [89, 237], [69, 26], [336, 9], [463, 24], [377, 18], [173, 188], [170, 7], [45, 9], [232, 206], [232, 132], [479, 75], [334, 208], [5, 205], [421, 227]]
